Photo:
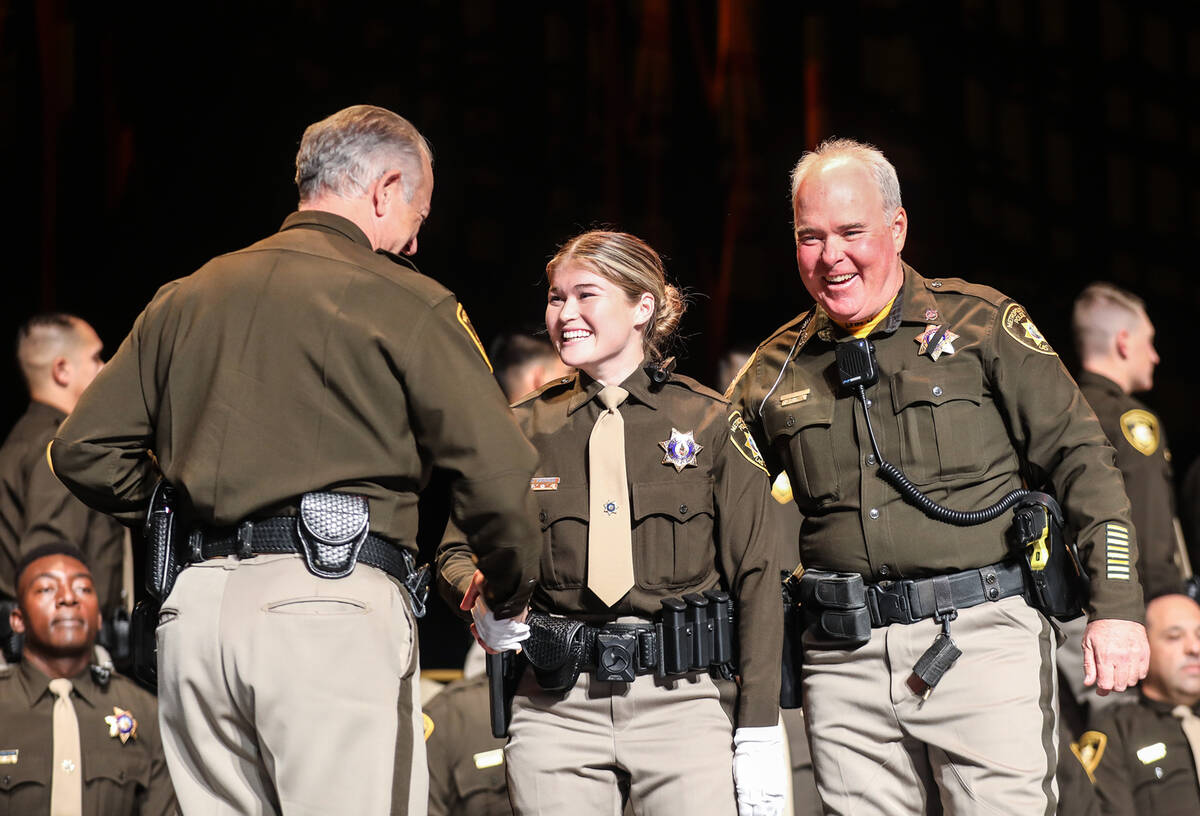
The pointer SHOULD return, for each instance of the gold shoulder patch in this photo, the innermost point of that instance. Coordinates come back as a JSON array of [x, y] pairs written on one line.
[[465, 322], [739, 434], [1020, 327], [1088, 751], [428, 725], [1141, 430]]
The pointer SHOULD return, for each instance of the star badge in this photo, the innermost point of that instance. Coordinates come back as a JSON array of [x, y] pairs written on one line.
[[610, 508], [933, 345], [121, 724], [681, 450]]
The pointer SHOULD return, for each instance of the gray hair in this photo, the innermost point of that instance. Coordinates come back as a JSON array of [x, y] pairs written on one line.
[[344, 153], [870, 156], [1100, 311]]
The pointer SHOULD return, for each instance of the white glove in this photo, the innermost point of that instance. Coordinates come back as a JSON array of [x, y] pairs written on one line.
[[500, 635], [758, 773]]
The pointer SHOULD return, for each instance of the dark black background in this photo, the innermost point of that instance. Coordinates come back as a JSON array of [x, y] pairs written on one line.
[[1040, 145]]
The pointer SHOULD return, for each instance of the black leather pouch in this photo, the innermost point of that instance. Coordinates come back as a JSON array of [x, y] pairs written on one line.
[[555, 650], [332, 528], [161, 529]]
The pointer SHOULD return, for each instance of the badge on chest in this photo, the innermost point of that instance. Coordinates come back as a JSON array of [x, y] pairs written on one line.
[[680, 449]]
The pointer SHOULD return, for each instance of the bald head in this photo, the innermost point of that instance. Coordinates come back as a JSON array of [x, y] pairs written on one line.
[[1173, 629], [59, 356]]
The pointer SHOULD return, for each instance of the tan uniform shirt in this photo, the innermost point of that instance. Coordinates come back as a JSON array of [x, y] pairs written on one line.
[[466, 763], [1145, 462], [1145, 762], [307, 362], [961, 428], [119, 778], [36, 509], [704, 527]]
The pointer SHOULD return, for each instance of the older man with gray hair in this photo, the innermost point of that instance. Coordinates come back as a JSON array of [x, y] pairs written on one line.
[[296, 394], [897, 405]]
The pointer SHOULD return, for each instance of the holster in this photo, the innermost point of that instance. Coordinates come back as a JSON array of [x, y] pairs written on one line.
[[792, 664], [555, 650], [161, 530], [115, 632], [143, 642], [504, 672], [1056, 580]]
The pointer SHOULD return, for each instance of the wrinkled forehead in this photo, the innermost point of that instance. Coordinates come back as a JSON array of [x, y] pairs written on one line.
[[838, 180]]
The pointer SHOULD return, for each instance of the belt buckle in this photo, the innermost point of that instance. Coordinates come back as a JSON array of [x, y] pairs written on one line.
[[616, 656]]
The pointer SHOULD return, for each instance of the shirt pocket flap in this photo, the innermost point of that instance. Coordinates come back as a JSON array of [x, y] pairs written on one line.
[[787, 420], [122, 765], [677, 500], [911, 387], [566, 502], [28, 769]]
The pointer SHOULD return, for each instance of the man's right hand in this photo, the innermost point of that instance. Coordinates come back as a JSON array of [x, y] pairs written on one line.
[[492, 634]]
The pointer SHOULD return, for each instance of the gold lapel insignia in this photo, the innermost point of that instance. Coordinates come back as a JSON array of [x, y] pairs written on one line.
[[540, 483], [1088, 751], [1140, 429], [121, 724], [681, 449], [935, 342]]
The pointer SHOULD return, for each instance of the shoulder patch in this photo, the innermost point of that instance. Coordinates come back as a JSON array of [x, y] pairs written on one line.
[[1140, 429], [465, 322], [740, 435], [428, 725], [1019, 325], [1088, 751]]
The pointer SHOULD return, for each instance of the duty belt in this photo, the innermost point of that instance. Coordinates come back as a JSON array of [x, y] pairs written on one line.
[[278, 536], [909, 601]]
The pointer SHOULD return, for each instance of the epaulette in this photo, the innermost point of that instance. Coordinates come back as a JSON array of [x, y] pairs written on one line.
[[794, 323], [554, 385], [696, 387], [961, 287]]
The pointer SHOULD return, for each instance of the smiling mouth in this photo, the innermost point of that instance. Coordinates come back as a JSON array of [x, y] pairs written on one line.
[[839, 279], [575, 334]]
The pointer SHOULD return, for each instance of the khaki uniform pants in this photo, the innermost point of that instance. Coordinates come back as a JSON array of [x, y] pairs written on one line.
[[985, 742], [284, 693], [670, 742]]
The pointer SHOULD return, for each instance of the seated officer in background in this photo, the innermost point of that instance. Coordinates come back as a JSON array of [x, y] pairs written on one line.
[[1146, 753], [74, 738], [928, 681], [1115, 341], [59, 356]]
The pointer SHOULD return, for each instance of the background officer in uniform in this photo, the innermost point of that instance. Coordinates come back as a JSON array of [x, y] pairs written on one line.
[[317, 359], [74, 739], [59, 356], [969, 396], [1115, 341], [1145, 754]]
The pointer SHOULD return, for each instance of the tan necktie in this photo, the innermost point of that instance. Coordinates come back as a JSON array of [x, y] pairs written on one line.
[[1191, 730], [66, 786], [610, 544]]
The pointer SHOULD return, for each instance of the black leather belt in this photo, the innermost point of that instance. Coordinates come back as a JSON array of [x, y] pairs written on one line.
[[278, 535], [598, 654], [909, 601]]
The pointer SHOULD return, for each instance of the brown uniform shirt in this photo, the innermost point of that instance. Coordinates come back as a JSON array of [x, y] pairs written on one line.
[[307, 362], [961, 428], [36, 509], [1145, 763], [1145, 462], [704, 527], [119, 778], [466, 763]]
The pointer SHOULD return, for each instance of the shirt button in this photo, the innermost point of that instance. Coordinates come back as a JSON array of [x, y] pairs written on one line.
[[871, 459], [870, 402], [874, 513], [5, 780], [542, 517], [937, 390], [791, 420], [885, 570], [683, 509]]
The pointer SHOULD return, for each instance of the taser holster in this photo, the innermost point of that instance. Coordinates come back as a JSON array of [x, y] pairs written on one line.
[[1056, 581]]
